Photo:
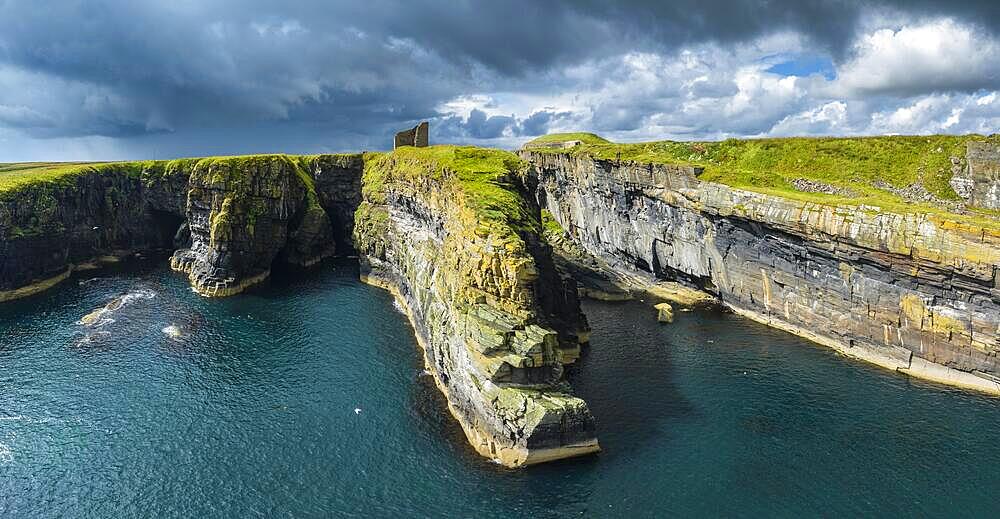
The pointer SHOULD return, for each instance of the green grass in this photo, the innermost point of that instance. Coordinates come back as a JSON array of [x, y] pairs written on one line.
[[13, 176], [16, 176], [550, 224], [586, 138], [484, 178], [770, 165]]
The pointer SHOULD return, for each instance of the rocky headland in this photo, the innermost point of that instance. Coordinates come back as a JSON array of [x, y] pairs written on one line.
[[452, 233], [226, 220]]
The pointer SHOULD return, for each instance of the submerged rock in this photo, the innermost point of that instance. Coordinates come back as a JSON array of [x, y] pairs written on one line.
[[93, 317]]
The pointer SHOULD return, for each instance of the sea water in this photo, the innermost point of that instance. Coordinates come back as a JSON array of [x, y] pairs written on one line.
[[306, 397]]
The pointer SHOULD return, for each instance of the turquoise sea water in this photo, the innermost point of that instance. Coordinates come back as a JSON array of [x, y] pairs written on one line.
[[305, 398]]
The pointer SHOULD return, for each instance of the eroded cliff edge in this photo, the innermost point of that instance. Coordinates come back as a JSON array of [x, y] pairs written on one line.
[[452, 233], [227, 220], [915, 292]]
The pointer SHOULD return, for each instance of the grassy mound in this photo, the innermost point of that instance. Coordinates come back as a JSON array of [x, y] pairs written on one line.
[[553, 138]]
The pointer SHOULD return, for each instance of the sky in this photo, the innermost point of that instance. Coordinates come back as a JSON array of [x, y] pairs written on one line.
[[142, 79]]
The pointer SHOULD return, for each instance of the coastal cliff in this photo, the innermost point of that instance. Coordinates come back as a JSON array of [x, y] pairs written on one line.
[[450, 231], [241, 213], [88, 215], [227, 220], [896, 262], [912, 291]]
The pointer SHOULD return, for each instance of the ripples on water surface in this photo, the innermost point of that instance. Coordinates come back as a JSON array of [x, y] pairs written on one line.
[[305, 398]]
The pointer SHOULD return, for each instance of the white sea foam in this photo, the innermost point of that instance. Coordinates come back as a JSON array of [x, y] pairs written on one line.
[[93, 338], [6, 454], [173, 331], [101, 316]]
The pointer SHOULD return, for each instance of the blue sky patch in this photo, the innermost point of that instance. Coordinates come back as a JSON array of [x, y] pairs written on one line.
[[806, 65]]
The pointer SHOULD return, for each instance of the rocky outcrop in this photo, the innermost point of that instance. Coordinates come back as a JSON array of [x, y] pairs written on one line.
[[977, 178], [241, 213], [913, 292], [451, 233]]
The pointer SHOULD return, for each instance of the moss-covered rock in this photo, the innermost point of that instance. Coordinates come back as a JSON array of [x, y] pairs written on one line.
[[231, 217], [452, 231], [243, 211], [875, 171], [60, 217]]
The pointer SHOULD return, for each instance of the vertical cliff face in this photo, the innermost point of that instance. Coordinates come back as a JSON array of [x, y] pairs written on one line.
[[977, 179], [241, 213], [913, 292], [100, 213], [337, 179], [229, 219], [449, 230]]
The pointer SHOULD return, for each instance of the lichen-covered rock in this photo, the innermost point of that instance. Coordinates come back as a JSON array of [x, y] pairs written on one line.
[[450, 232], [243, 211], [914, 292]]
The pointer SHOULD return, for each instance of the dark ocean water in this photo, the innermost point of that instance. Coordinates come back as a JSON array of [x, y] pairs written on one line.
[[304, 398]]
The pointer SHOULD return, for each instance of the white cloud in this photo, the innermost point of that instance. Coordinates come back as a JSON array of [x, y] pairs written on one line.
[[891, 85], [934, 56], [828, 119], [939, 113]]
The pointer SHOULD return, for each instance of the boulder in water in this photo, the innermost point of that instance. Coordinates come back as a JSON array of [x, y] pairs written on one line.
[[666, 313]]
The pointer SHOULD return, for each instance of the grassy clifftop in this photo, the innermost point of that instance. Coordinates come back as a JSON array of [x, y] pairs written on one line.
[[858, 170], [14, 177], [483, 180]]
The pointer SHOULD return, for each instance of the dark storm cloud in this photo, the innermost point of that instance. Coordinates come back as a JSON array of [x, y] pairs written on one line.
[[351, 72], [538, 122]]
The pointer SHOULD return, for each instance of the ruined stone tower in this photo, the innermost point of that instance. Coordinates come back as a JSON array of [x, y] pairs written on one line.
[[416, 136]]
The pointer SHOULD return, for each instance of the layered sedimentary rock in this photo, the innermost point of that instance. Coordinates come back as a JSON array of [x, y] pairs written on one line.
[[450, 231], [229, 219], [241, 213], [100, 214], [977, 178], [913, 292]]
